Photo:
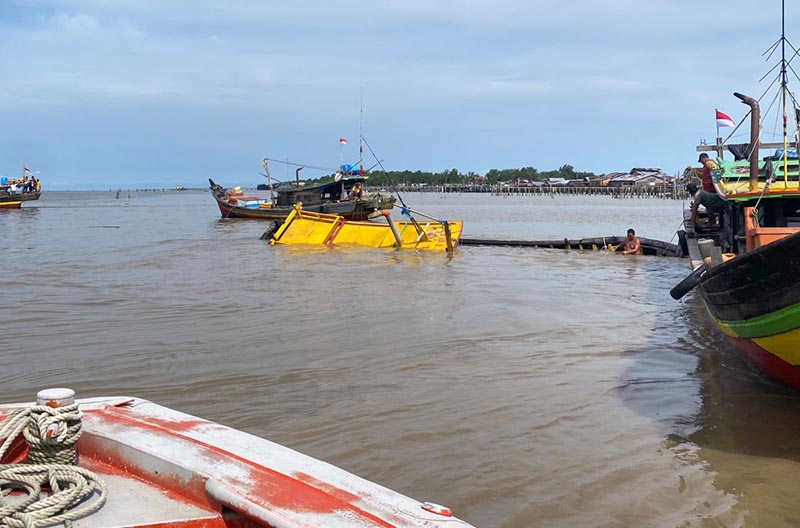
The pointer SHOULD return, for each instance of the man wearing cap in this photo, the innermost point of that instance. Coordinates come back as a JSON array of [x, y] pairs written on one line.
[[710, 200], [708, 166]]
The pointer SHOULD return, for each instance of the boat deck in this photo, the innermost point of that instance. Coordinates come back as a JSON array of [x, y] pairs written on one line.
[[167, 468]]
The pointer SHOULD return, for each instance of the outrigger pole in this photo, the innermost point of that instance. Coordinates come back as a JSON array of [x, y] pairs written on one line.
[[265, 162], [405, 209]]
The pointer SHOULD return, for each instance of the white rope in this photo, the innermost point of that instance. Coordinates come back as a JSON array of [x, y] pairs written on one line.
[[51, 435], [70, 486]]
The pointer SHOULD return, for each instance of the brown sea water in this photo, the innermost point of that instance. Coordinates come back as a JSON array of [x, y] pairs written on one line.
[[519, 387]]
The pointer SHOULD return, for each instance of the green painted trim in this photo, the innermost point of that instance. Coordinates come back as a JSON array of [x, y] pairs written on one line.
[[792, 194], [778, 322]]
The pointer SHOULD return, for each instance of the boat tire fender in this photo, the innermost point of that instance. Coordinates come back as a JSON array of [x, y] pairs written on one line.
[[687, 284], [270, 230], [684, 245]]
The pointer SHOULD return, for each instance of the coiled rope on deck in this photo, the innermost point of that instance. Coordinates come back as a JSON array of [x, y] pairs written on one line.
[[51, 435]]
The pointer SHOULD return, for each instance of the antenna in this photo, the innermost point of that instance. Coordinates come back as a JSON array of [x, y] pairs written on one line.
[[361, 133], [784, 89]]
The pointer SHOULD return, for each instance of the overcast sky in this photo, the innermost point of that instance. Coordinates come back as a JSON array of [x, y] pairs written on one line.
[[146, 93]]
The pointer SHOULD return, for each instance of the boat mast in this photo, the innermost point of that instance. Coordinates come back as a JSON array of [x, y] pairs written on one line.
[[361, 135], [784, 89]]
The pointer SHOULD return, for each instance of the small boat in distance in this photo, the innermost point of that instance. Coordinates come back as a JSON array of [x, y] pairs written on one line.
[[23, 189], [343, 194], [139, 464], [305, 227]]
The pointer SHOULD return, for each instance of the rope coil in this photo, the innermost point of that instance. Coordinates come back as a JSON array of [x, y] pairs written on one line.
[[55, 489]]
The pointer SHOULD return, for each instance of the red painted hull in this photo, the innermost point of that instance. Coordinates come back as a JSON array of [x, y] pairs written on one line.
[[164, 468], [769, 363]]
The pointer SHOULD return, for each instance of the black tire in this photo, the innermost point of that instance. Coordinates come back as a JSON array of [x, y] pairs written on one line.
[[687, 284], [682, 242], [270, 230]]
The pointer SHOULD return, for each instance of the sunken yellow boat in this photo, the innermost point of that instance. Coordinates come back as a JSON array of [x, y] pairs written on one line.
[[305, 227]]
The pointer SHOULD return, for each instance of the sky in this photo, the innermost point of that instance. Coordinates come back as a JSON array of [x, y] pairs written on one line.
[[107, 94]]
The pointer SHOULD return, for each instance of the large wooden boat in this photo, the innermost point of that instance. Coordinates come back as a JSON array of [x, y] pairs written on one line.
[[306, 227], [152, 466], [24, 189], [753, 294], [331, 196]]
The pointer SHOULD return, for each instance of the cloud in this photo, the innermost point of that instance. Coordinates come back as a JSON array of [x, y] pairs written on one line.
[[442, 72]]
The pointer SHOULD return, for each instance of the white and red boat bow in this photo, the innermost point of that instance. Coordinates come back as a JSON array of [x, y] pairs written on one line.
[[169, 469]]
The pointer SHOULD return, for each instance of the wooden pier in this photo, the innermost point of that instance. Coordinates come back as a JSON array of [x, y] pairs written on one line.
[[626, 191]]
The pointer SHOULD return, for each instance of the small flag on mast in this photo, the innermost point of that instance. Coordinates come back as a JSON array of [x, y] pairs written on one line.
[[343, 141], [724, 120]]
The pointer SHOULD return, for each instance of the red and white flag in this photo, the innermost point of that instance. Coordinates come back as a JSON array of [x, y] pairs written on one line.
[[26, 169], [343, 141], [724, 120]]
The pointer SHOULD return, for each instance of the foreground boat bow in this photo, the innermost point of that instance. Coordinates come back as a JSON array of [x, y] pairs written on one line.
[[166, 468]]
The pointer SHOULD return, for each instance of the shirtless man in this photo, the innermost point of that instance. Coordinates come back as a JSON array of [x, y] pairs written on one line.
[[631, 244]]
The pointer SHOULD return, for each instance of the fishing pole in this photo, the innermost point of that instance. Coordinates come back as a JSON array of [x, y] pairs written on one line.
[[389, 178], [405, 210], [326, 169]]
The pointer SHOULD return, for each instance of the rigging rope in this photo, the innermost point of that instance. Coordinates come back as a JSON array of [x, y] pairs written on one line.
[[51, 435]]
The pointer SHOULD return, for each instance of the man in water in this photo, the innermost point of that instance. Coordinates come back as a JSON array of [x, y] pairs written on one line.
[[710, 200], [708, 166], [631, 244]]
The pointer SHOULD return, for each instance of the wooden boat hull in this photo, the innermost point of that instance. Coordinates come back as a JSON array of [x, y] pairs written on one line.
[[649, 246], [359, 209], [14, 201], [305, 227], [754, 299], [166, 468]]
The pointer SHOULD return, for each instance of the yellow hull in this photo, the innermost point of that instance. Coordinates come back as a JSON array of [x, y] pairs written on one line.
[[303, 227]]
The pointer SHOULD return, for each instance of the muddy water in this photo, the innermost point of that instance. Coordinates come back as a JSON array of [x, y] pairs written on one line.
[[519, 387]]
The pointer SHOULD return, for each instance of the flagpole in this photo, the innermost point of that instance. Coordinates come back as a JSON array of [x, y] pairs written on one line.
[[719, 138]]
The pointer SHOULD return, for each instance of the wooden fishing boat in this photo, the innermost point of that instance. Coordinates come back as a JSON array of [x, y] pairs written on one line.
[[152, 466], [306, 227], [650, 246], [747, 270], [16, 191], [331, 196]]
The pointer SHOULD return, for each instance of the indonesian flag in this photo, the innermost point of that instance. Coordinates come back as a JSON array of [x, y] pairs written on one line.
[[343, 141], [724, 120]]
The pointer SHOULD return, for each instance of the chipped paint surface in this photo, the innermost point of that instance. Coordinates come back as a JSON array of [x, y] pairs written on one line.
[[209, 465]]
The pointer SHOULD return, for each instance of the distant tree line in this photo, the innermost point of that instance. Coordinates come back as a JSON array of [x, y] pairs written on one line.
[[453, 176]]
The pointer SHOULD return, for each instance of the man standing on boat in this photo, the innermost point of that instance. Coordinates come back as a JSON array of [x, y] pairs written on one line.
[[710, 200], [631, 244], [708, 166]]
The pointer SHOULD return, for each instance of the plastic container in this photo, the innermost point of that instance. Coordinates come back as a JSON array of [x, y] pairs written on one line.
[[790, 154], [705, 245]]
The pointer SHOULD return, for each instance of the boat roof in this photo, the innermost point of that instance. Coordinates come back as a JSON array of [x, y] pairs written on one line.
[[734, 179], [326, 182]]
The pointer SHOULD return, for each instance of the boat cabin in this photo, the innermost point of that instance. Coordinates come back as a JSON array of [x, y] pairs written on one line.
[[328, 190], [768, 212]]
